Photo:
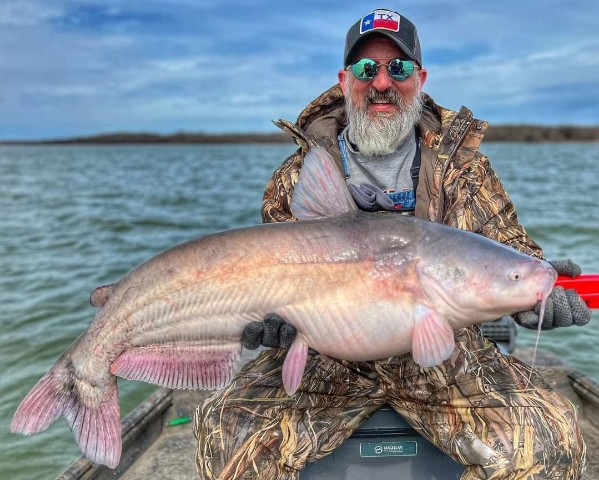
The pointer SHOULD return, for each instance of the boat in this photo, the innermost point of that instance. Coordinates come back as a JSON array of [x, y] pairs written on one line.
[[158, 441]]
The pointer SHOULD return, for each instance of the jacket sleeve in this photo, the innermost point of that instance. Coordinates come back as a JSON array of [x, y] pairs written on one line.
[[276, 203], [478, 202]]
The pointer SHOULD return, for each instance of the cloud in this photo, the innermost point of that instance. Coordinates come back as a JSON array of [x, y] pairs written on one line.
[[17, 14], [81, 66]]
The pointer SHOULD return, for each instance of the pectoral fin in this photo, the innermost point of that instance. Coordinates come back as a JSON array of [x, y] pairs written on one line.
[[320, 190], [192, 366], [294, 365], [432, 339]]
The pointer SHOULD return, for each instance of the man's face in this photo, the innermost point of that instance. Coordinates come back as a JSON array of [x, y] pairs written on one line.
[[381, 112], [381, 50]]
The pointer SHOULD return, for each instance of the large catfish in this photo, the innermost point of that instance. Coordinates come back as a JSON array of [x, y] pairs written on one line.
[[355, 285]]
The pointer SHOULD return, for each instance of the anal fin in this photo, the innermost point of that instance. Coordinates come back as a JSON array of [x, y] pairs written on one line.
[[174, 366]]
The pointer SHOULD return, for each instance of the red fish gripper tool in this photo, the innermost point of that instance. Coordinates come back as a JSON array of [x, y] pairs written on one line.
[[587, 286]]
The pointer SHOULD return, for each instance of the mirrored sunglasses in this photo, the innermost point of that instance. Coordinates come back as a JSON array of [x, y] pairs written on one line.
[[365, 69]]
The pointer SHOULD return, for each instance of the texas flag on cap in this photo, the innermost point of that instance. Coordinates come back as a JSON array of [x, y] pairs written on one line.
[[380, 19]]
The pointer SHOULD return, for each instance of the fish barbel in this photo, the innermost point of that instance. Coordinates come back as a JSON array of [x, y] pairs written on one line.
[[357, 286]]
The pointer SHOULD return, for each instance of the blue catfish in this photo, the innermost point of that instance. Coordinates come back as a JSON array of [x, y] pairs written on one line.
[[356, 286]]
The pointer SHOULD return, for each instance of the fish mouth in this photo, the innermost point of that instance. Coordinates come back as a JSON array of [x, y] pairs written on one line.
[[547, 276]]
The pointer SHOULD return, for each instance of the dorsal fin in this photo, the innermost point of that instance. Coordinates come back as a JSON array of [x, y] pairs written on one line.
[[320, 190], [100, 295]]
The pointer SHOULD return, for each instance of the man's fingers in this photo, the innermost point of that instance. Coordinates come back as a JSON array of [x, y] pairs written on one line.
[[272, 324], [562, 313], [252, 335], [566, 267], [581, 313], [286, 335], [528, 319]]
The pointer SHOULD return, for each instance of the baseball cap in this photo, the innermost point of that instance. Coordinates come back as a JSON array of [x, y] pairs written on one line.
[[389, 24]]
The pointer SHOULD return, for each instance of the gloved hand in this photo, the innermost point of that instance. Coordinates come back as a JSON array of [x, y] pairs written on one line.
[[370, 198], [273, 332], [563, 307]]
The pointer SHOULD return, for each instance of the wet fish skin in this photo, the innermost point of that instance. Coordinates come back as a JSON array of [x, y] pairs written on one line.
[[356, 287]]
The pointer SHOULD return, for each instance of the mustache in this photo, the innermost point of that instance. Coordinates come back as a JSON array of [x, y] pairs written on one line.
[[387, 96]]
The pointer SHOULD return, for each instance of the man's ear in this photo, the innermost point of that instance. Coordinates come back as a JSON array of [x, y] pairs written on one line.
[[341, 76], [422, 73]]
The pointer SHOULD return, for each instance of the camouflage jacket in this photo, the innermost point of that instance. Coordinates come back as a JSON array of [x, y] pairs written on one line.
[[457, 185]]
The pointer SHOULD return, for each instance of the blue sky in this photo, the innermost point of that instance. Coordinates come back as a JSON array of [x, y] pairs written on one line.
[[85, 67]]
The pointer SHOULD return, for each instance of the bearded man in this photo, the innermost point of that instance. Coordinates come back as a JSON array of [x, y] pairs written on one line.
[[401, 152]]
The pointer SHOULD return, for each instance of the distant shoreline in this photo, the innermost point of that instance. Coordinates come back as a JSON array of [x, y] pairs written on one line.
[[497, 133]]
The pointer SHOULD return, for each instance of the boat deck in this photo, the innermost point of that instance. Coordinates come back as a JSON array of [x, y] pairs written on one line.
[[582, 392], [153, 450]]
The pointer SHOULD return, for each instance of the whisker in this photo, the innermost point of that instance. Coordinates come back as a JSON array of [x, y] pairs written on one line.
[[543, 298]]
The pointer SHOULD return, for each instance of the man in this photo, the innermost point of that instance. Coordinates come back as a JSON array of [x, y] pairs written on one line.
[[478, 406]]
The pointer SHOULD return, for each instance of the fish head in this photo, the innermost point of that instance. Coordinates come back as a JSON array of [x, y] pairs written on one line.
[[516, 285], [480, 280]]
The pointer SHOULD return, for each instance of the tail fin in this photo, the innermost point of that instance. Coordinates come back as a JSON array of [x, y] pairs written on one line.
[[95, 421]]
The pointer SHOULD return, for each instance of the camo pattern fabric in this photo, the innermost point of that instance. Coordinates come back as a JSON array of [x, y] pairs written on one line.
[[485, 409]]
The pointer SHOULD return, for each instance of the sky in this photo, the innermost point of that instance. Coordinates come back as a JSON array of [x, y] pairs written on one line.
[[82, 67]]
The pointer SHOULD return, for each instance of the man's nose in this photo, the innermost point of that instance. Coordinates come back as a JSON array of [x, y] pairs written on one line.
[[382, 80]]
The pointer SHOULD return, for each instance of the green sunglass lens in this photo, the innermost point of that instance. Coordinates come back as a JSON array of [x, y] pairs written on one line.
[[364, 69], [401, 69]]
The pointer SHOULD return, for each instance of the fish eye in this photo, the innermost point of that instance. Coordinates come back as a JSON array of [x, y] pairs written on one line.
[[515, 275]]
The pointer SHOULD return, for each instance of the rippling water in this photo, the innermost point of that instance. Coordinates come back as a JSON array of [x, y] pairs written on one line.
[[73, 218]]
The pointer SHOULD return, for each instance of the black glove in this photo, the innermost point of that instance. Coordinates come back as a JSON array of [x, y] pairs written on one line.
[[370, 198], [273, 332], [563, 307], [566, 267]]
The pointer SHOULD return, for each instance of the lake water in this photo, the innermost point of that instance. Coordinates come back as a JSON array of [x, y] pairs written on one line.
[[73, 218]]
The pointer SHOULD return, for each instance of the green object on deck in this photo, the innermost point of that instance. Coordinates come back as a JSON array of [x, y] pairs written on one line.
[[178, 421]]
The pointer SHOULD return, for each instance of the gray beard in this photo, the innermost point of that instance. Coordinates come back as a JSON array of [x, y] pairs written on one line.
[[383, 134]]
